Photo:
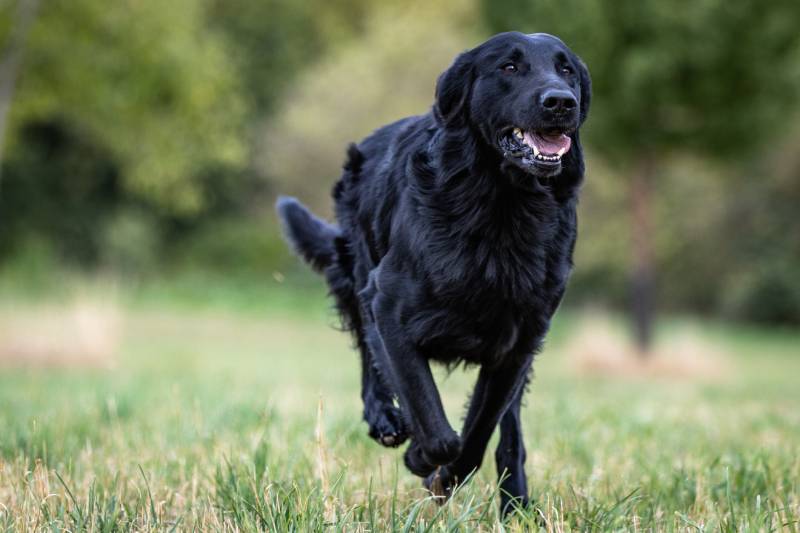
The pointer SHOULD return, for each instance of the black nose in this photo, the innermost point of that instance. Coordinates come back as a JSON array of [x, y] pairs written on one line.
[[558, 100]]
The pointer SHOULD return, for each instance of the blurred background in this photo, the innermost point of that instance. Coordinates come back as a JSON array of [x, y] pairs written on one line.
[[143, 144]]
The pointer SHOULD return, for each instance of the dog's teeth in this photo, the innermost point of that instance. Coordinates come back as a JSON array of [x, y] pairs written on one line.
[[518, 133], [542, 157], [535, 150], [562, 152]]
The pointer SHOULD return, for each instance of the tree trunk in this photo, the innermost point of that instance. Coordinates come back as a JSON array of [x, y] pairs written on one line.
[[642, 278], [11, 61]]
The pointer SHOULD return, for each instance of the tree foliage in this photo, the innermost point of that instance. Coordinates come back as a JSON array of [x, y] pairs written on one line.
[[145, 80], [272, 40], [387, 74]]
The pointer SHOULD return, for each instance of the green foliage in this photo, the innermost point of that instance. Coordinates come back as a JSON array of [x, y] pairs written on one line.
[[6, 21], [236, 247], [273, 40], [146, 81], [58, 187], [388, 74], [725, 241], [768, 293], [130, 243], [764, 268]]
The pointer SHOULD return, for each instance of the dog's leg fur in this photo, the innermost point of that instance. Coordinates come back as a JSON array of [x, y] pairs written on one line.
[[410, 376], [495, 392], [510, 458], [384, 420]]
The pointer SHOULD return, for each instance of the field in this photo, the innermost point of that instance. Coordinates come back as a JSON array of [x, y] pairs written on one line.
[[242, 413]]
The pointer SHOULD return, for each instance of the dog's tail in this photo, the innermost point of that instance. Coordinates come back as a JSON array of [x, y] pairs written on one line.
[[310, 236]]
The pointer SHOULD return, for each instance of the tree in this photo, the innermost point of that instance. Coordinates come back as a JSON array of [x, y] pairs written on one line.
[[144, 114], [387, 74], [145, 80], [706, 77], [273, 40], [11, 59]]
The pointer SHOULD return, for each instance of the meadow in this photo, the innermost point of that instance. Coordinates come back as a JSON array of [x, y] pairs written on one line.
[[240, 411]]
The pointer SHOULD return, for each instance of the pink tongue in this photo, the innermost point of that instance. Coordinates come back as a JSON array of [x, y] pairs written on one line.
[[548, 144]]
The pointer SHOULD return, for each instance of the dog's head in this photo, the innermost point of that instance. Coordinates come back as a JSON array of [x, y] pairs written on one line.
[[524, 95]]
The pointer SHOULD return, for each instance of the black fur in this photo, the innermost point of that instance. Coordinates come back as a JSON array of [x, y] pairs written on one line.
[[451, 248], [312, 237]]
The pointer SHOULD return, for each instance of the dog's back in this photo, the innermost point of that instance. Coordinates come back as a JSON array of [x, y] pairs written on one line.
[[365, 197]]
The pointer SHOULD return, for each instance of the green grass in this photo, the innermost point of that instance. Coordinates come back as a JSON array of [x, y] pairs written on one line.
[[209, 419]]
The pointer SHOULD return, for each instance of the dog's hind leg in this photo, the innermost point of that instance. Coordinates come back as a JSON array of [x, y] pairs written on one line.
[[384, 419], [510, 458]]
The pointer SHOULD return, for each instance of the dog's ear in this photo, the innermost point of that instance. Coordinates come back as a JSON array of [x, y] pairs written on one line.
[[586, 88], [453, 89]]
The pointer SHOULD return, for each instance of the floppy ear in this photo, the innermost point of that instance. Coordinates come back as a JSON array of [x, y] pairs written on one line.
[[586, 89], [453, 89]]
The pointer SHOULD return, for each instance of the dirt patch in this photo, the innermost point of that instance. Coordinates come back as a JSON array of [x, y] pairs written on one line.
[[84, 332], [601, 346]]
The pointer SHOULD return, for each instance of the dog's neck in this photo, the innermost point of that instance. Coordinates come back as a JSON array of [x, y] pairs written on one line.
[[479, 225], [463, 189]]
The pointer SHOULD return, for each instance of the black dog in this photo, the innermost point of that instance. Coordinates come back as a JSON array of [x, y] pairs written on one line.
[[454, 243]]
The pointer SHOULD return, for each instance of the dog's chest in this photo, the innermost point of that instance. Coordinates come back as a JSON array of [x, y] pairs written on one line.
[[494, 294]]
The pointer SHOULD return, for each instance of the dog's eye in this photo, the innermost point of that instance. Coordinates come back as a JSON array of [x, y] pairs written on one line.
[[509, 67], [567, 70]]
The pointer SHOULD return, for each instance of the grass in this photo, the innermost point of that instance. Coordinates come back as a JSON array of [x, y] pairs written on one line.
[[243, 414]]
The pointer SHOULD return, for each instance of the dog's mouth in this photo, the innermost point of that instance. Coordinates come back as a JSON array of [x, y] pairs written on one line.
[[536, 150]]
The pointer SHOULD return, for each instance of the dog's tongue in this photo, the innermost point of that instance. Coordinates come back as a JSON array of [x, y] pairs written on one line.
[[549, 144]]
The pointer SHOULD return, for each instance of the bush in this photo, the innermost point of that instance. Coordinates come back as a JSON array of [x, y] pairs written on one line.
[[236, 246], [131, 243], [768, 293]]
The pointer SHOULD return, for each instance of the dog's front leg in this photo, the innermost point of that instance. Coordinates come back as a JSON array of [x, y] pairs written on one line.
[[495, 391], [410, 375]]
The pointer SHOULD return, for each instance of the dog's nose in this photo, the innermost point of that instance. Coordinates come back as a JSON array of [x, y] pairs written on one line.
[[558, 100]]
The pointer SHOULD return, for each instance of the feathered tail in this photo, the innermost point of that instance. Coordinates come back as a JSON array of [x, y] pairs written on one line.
[[310, 236]]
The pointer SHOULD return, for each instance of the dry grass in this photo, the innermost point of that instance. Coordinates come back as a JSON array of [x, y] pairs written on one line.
[[601, 346], [86, 332]]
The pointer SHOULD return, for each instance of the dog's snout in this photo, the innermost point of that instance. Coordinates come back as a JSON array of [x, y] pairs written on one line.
[[558, 100]]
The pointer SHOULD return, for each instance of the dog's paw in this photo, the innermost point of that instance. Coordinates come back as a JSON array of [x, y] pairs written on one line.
[[440, 484], [386, 425]]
